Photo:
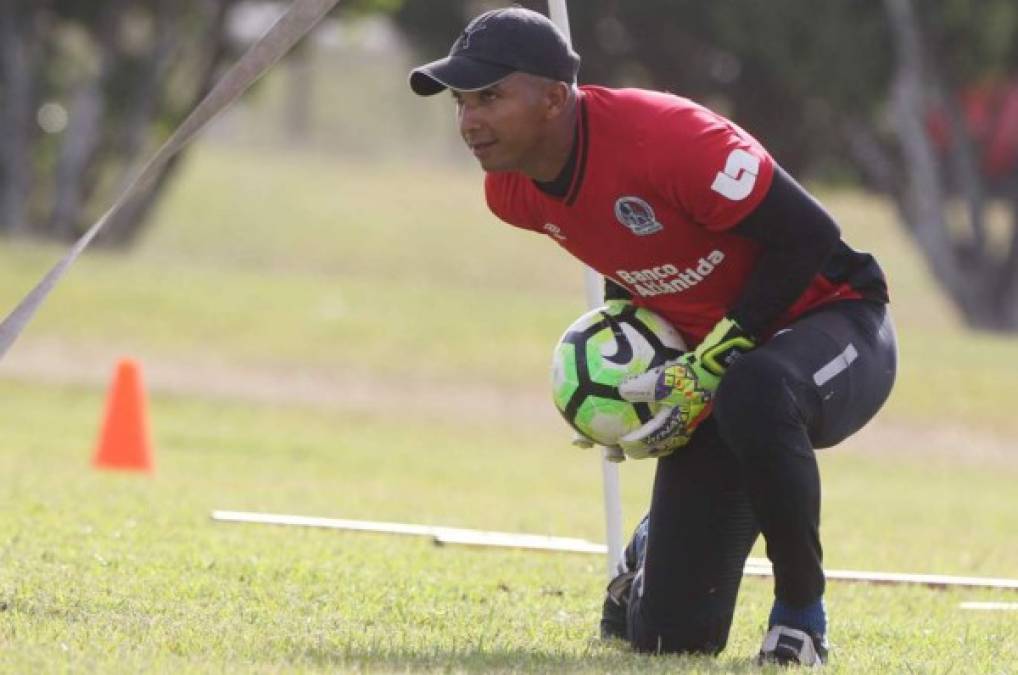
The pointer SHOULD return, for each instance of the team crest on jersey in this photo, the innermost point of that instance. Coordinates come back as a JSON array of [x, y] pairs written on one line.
[[637, 215]]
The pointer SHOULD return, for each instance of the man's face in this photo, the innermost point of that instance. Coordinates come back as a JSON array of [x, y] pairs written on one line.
[[503, 125]]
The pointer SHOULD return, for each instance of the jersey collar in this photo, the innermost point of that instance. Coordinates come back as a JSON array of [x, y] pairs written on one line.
[[566, 185]]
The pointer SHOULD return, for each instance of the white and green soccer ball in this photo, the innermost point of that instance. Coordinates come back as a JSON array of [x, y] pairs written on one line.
[[595, 354]]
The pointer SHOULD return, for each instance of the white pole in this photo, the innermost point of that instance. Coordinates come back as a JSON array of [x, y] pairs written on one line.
[[559, 14]]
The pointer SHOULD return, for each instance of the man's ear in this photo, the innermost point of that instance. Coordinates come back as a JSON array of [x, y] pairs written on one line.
[[556, 98]]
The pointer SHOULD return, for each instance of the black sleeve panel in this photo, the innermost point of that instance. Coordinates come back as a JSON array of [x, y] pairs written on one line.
[[797, 236], [612, 291]]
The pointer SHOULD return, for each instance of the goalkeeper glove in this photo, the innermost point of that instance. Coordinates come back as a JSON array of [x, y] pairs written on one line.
[[685, 389]]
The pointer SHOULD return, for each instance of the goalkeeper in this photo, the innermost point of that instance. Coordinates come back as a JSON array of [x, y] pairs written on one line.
[[687, 214]]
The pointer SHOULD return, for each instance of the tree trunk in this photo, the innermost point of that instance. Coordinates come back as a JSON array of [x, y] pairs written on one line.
[[979, 283], [297, 104], [128, 146], [128, 223], [1009, 275], [16, 35], [77, 152]]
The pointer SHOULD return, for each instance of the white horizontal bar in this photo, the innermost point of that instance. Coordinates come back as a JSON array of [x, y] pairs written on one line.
[[991, 606], [441, 535], [758, 567], [761, 568], [526, 541]]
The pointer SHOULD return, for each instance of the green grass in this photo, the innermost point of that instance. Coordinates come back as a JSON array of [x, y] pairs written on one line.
[[297, 264], [126, 573]]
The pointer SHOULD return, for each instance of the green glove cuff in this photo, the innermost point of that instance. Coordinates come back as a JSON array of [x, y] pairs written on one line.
[[725, 343]]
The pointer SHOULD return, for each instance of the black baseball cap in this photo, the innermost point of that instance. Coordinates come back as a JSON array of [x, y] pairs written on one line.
[[495, 45]]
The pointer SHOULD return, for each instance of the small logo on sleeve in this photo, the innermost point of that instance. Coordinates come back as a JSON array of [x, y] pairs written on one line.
[[739, 176], [637, 215], [554, 230]]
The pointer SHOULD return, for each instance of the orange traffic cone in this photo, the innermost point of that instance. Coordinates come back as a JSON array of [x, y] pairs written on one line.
[[124, 440]]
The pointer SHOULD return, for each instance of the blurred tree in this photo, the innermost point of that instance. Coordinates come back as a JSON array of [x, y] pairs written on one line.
[[87, 89], [778, 68], [946, 185], [915, 107], [866, 92]]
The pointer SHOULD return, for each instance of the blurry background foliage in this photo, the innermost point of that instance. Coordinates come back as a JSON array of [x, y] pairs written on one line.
[[917, 102]]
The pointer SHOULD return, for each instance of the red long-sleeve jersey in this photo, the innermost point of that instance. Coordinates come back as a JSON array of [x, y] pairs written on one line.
[[659, 182]]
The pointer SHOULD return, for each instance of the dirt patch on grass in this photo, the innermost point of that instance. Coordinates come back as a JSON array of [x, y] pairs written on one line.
[[462, 402], [889, 437], [57, 363]]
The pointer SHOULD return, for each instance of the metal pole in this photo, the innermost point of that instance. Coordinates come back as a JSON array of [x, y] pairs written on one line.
[[559, 14]]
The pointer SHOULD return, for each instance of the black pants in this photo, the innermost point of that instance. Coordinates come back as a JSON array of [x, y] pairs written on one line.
[[751, 468]]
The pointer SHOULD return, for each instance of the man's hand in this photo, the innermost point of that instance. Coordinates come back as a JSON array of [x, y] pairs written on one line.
[[685, 389]]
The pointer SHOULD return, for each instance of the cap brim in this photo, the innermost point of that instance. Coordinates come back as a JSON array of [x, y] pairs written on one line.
[[456, 72]]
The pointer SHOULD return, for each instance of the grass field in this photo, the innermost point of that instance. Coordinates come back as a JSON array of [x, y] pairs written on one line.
[[366, 342]]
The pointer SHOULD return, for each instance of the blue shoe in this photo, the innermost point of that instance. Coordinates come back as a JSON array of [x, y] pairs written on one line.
[[616, 601]]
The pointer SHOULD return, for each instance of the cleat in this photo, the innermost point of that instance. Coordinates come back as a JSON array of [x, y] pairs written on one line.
[[616, 601], [791, 647], [616, 606]]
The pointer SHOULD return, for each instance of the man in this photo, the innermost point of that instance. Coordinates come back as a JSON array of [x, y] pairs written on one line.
[[688, 215]]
